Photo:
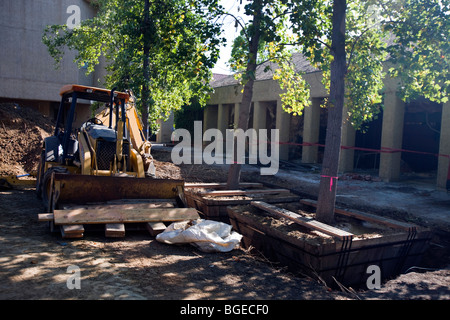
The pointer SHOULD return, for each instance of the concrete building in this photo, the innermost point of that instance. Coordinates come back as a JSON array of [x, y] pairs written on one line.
[[409, 138], [27, 71], [28, 77]]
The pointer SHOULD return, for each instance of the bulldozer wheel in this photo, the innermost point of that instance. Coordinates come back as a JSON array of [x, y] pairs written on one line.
[[46, 187]]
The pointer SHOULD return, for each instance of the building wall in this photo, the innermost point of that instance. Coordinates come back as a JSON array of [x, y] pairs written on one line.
[[264, 90], [27, 71], [389, 137], [164, 134]]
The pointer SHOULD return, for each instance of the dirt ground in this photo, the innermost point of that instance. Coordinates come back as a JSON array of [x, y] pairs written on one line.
[[22, 131], [34, 262]]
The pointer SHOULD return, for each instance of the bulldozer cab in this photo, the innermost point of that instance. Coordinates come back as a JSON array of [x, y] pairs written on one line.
[[109, 144], [68, 144]]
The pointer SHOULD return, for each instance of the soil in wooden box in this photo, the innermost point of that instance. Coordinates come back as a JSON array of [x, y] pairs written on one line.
[[344, 259], [212, 200]]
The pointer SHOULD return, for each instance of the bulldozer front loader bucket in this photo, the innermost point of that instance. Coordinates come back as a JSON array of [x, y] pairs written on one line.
[[84, 189]]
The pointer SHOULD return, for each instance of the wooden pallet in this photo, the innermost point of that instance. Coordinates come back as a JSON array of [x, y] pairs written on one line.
[[212, 202], [72, 219]]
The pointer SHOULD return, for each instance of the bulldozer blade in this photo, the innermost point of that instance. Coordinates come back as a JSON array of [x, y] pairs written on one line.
[[82, 189]]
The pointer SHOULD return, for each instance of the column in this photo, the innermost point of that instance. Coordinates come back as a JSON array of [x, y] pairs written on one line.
[[283, 121], [223, 117], [348, 135], [444, 147], [259, 119], [391, 136], [164, 134], [259, 115], [311, 128], [210, 117], [237, 106]]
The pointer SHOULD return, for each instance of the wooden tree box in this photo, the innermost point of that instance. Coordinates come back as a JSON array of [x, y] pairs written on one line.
[[212, 199], [338, 254]]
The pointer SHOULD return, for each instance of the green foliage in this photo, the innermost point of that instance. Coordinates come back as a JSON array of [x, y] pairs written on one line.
[[240, 52], [296, 90], [184, 40], [421, 50], [365, 48], [366, 53], [276, 46], [412, 34]]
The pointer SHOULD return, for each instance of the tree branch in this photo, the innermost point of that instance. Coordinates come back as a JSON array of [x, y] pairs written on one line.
[[239, 22], [282, 14], [356, 41]]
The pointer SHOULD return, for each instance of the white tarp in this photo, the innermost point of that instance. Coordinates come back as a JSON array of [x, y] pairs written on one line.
[[206, 235]]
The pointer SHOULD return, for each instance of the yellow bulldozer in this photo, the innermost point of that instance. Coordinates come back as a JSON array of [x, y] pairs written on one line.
[[102, 171]]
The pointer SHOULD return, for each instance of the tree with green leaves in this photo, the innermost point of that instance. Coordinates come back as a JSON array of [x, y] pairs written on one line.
[[281, 27], [350, 51], [338, 70], [162, 50], [260, 41], [349, 43], [412, 36], [253, 36]]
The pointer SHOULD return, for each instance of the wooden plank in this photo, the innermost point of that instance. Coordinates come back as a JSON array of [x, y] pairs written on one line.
[[123, 206], [365, 216], [155, 228], [71, 236], [115, 230], [98, 216], [74, 228], [72, 231], [306, 222], [140, 201], [220, 193], [213, 185], [45, 217]]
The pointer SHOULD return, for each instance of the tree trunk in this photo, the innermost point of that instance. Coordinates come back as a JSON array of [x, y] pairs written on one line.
[[234, 172], [330, 165], [145, 66]]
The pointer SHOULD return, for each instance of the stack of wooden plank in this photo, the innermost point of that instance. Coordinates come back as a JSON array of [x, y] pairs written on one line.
[[365, 216], [115, 214], [303, 221], [212, 199]]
